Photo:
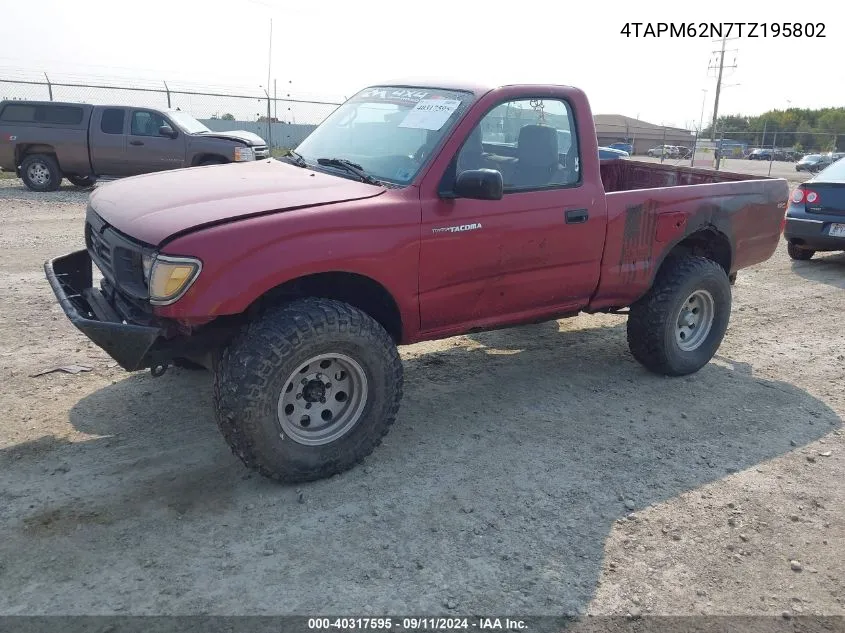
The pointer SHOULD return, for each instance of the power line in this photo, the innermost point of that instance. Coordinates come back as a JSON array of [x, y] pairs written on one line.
[[721, 68]]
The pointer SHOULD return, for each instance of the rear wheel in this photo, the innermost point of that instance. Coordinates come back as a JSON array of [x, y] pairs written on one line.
[[307, 390], [798, 253], [676, 328], [81, 181], [40, 172]]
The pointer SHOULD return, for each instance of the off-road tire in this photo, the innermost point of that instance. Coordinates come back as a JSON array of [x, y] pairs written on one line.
[[798, 253], [252, 370], [212, 161], [81, 181], [47, 162], [653, 318]]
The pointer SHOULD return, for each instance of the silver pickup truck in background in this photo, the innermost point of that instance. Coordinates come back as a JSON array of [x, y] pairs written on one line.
[[44, 141]]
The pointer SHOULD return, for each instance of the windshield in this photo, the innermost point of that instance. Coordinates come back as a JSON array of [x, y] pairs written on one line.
[[812, 158], [188, 123], [390, 132]]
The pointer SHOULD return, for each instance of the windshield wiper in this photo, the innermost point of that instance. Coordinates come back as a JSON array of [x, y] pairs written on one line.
[[352, 168], [295, 159]]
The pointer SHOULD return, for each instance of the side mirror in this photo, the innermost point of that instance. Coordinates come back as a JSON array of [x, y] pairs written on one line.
[[166, 130], [480, 184]]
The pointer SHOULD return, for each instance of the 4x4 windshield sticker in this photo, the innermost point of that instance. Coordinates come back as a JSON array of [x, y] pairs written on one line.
[[430, 114], [401, 96]]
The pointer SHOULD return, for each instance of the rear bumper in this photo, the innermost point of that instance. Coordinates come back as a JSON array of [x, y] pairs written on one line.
[[812, 233], [71, 279]]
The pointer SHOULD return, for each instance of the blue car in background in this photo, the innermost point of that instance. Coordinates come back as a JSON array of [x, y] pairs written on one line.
[[564, 141], [611, 153], [625, 147]]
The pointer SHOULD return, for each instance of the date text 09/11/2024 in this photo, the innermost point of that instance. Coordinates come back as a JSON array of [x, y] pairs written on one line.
[[416, 624], [718, 30]]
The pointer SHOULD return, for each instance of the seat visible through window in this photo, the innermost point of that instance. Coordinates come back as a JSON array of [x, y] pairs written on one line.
[[538, 161]]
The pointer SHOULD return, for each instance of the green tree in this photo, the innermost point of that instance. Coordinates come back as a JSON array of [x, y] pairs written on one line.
[[228, 117]]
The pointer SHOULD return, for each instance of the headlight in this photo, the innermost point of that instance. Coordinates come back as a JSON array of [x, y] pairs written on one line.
[[170, 277], [244, 153]]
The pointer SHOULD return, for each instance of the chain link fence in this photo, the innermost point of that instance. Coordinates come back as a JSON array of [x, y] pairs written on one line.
[[283, 122]]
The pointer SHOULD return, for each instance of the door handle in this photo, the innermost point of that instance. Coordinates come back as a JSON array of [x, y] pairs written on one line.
[[577, 216], [136, 142]]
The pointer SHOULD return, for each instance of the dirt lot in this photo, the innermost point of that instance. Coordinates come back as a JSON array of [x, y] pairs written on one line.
[[536, 470]]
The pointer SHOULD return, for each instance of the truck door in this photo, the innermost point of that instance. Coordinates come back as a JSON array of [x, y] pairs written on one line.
[[147, 149], [538, 249], [107, 141]]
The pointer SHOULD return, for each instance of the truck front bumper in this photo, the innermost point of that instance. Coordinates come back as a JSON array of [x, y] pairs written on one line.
[[132, 346]]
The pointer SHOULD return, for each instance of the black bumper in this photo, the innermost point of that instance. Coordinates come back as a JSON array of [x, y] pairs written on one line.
[[71, 278], [813, 233]]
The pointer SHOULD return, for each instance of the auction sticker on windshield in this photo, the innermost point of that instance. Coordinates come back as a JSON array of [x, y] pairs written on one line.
[[430, 114]]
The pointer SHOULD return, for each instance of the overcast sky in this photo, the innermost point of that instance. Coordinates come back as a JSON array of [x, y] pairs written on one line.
[[333, 48]]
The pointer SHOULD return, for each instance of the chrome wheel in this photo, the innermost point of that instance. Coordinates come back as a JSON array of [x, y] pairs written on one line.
[[323, 399], [695, 320], [38, 174]]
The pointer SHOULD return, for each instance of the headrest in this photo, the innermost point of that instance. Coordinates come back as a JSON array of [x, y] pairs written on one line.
[[537, 146]]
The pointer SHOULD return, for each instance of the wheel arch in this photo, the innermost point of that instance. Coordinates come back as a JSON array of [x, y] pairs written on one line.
[[26, 149], [357, 290], [707, 241], [204, 156]]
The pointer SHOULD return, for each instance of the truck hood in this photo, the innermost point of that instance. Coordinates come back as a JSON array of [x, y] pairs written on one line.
[[154, 207], [235, 135]]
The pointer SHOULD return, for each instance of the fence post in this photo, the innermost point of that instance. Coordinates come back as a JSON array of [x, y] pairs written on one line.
[[772, 155], [663, 147], [719, 150], [49, 86], [167, 90], [694, 148]]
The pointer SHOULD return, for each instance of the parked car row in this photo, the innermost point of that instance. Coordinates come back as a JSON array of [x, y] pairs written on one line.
[[774, 154], [669, 151]]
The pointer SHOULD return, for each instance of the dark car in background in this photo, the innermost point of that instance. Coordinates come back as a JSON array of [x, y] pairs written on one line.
[[45, 141], [815, 217], [760, 154], [625, 147], [813, 162]]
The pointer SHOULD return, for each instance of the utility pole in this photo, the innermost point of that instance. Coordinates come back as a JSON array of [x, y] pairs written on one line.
[[270, 54], [720, 70]]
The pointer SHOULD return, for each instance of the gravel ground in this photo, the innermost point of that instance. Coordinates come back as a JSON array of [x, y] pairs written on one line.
[[537, 470]]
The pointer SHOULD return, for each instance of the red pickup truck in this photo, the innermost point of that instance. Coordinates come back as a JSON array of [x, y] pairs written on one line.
[[414, 212]]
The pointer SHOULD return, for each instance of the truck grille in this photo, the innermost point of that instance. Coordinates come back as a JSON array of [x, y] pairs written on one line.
[[120, 259], [261, 152]]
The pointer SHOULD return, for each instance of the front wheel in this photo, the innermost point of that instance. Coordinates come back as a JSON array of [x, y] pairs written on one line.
[[676, 328], [307, 390]]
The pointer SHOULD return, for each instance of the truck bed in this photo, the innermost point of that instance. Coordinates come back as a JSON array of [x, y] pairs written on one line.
[[652, 207], [628, 175]]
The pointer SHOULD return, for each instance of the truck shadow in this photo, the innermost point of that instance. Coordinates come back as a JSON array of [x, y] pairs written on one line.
[[497, 489], [826, 268]]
